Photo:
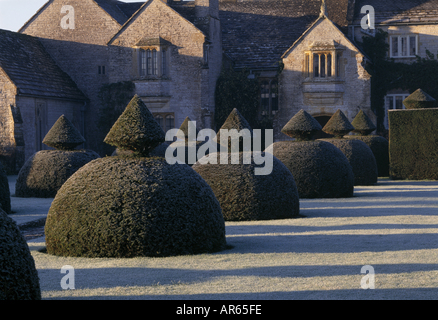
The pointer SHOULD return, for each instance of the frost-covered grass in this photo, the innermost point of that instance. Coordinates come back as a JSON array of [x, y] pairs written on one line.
[[392, 226]]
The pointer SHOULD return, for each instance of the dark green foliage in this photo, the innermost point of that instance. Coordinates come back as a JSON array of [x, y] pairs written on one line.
[[380, 148], [63, 135], [113, 98], [136, 129], [128, 207], [413, 144], [338, 125], [235, 121], [302, 126], [361, 159], [319, 168], [5, 194], [235, 90], [244, 196], [18, 275], [46, 171], [419, 100], [159, 151], [362, 124]]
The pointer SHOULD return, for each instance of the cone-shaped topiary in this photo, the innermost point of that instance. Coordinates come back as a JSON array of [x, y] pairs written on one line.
[[302, 127], [419, 100], [362, 124], [244, 195], [188, 144], [18, 275], [378, 144], [63, 135], [45, 171], [134, 206], [235, 124], [359, 155], [338, 125], [5, 194], [136, 129], [320, 169]]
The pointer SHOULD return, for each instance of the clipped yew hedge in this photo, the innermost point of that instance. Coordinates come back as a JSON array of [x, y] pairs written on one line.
[[46, 171], [413, 144], [319, 168], [18, 275], [245, 196], [380, 148], [361, 159], [126, 207]]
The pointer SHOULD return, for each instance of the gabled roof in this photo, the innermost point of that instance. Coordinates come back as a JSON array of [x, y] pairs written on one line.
[[399, 12], [256, 33], [325, 43], [117, 10], [32, 70], [141, 9], [112, 7]]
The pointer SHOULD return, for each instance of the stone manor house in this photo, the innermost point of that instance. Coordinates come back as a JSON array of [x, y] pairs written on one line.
[[303, 53]]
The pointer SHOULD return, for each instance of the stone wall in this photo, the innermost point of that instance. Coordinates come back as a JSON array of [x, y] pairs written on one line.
[[79, 51], [189, 85]]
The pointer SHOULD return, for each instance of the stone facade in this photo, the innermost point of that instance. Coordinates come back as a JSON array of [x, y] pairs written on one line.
[[339, 81], [173, 52]]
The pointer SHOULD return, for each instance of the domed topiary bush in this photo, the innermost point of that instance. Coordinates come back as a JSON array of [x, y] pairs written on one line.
[[359, 155], [5, 194], [46, 171], [242, 193], [363, 126], [319, 168], [134, 205], [419, 100], [18, 275]]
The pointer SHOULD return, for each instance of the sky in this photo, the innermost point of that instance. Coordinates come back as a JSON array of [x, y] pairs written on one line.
[[15, 13]]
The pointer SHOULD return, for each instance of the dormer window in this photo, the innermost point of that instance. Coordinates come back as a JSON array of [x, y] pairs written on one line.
[[322, 61], [153, 57]]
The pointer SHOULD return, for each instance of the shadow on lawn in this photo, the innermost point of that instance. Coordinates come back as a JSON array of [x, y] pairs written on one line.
[[273, 307], [145, 277]]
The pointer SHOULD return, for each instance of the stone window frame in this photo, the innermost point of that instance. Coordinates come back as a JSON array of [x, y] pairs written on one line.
[[408, 39], [158, 67], [329, 60], [165, 117], [268, 94]]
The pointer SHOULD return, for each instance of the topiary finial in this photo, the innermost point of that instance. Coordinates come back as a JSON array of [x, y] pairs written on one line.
[[362, 124], [185, 127], [136, 130], [63, 135], [338, 125], [236, 121], [302, 126], [419, 100]]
